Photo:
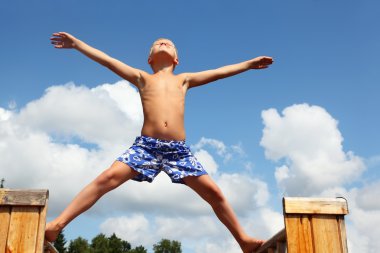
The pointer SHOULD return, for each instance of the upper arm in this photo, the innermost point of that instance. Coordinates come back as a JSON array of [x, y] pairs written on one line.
[[200, 78], [125, 71], [203, 77]]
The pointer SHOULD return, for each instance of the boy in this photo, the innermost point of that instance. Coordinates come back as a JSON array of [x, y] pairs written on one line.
[[161, 145]]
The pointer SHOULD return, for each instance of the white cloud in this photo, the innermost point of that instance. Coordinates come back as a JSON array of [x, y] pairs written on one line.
[[227, 245], [244, 193], [4, 114], [231, 153], [207, 161], [179, 228], [367, 197], [281, 173], [88, 114], [308, 141], [219, 146], [363, 228], [37, 144], [135, 229]]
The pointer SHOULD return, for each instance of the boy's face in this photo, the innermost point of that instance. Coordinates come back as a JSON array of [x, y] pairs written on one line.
[[163, 45]]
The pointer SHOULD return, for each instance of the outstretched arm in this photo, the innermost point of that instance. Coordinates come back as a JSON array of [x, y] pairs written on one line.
[[66, 40], [204, 77]]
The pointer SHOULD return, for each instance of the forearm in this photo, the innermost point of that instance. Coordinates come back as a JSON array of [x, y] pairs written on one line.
[[92, 52], [200, 78], [231, 70]]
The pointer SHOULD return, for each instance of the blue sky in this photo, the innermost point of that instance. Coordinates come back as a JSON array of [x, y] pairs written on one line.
[[326, 55]]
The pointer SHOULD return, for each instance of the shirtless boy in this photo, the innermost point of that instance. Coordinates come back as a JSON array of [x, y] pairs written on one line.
[[161, 145]]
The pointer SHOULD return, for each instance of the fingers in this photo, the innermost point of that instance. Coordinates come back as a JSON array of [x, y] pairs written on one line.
[[267, 60], [59, 40]]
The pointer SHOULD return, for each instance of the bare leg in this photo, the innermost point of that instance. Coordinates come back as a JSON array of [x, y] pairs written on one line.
[[111, 178], [210, 192]]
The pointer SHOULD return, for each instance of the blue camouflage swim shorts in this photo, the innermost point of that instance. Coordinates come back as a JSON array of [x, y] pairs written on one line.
[[149, 156]]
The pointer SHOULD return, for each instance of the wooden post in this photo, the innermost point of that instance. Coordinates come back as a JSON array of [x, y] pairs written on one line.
[[22, 220], [315, 225]]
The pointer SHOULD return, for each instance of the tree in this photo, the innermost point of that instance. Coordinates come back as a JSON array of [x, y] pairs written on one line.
[[139, 249], [60, 243], [167, 246], [2, 183], [99, 244], [79, 245], [117, 245]]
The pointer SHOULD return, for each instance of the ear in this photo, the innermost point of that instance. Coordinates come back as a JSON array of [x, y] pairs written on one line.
[[176, 61], [149, 60]]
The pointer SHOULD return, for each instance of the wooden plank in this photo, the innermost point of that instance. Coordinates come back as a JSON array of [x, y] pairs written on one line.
[[298, 233], [41, 228], [23, 229], [5, 217], [17, 197], [279, 237], [326, 234], [343, 238], [315, 206]]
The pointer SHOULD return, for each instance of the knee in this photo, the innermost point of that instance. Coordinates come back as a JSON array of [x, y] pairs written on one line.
[[106, 181], [215, 195]]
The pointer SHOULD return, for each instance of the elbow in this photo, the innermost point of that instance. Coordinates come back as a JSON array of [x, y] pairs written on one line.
[[106, 63]]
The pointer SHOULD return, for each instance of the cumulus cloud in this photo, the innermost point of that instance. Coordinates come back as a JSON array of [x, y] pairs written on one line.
[[245, 193], [207, 161], [4, 114], [306, 139], [135, 229], [219, 146], [88, 114], [367, 196], [234, 153], [41, 144]]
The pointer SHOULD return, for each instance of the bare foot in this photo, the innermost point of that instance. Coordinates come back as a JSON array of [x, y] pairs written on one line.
[[51, 231], [251, 245]]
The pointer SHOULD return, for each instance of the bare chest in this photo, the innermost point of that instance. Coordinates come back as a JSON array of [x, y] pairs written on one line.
[[163, 90]]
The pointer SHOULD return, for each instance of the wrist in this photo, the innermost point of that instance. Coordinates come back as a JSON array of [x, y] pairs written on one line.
[[252, 63]]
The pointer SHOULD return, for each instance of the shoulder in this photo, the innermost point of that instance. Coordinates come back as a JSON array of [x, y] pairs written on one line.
[[184, 77], [142, 78]]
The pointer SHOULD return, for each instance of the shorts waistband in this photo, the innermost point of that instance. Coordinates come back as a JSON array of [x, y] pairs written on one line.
[[150, 139]]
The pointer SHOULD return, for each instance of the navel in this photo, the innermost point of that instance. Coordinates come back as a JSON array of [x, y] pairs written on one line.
[[166, 124]]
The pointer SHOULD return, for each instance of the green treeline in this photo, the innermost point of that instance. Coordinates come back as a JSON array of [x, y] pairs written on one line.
[[112, 244]]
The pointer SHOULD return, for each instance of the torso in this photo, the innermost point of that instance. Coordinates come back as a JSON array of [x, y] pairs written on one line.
[[163, 101]]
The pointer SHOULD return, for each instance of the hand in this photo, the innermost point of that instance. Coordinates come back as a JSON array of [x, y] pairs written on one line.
[[63, 40], [261, 62]]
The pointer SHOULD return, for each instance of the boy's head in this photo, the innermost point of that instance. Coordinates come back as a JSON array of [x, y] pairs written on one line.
[[163, 47]]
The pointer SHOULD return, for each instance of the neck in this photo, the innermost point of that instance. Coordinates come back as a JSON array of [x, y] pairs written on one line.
[[163, 67]]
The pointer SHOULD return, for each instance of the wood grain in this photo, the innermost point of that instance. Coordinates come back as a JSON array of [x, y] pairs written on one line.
[[17, 197], [315, 205]]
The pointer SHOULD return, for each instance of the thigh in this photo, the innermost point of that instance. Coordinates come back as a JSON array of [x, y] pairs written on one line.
[[117, 174], [205, 186]]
